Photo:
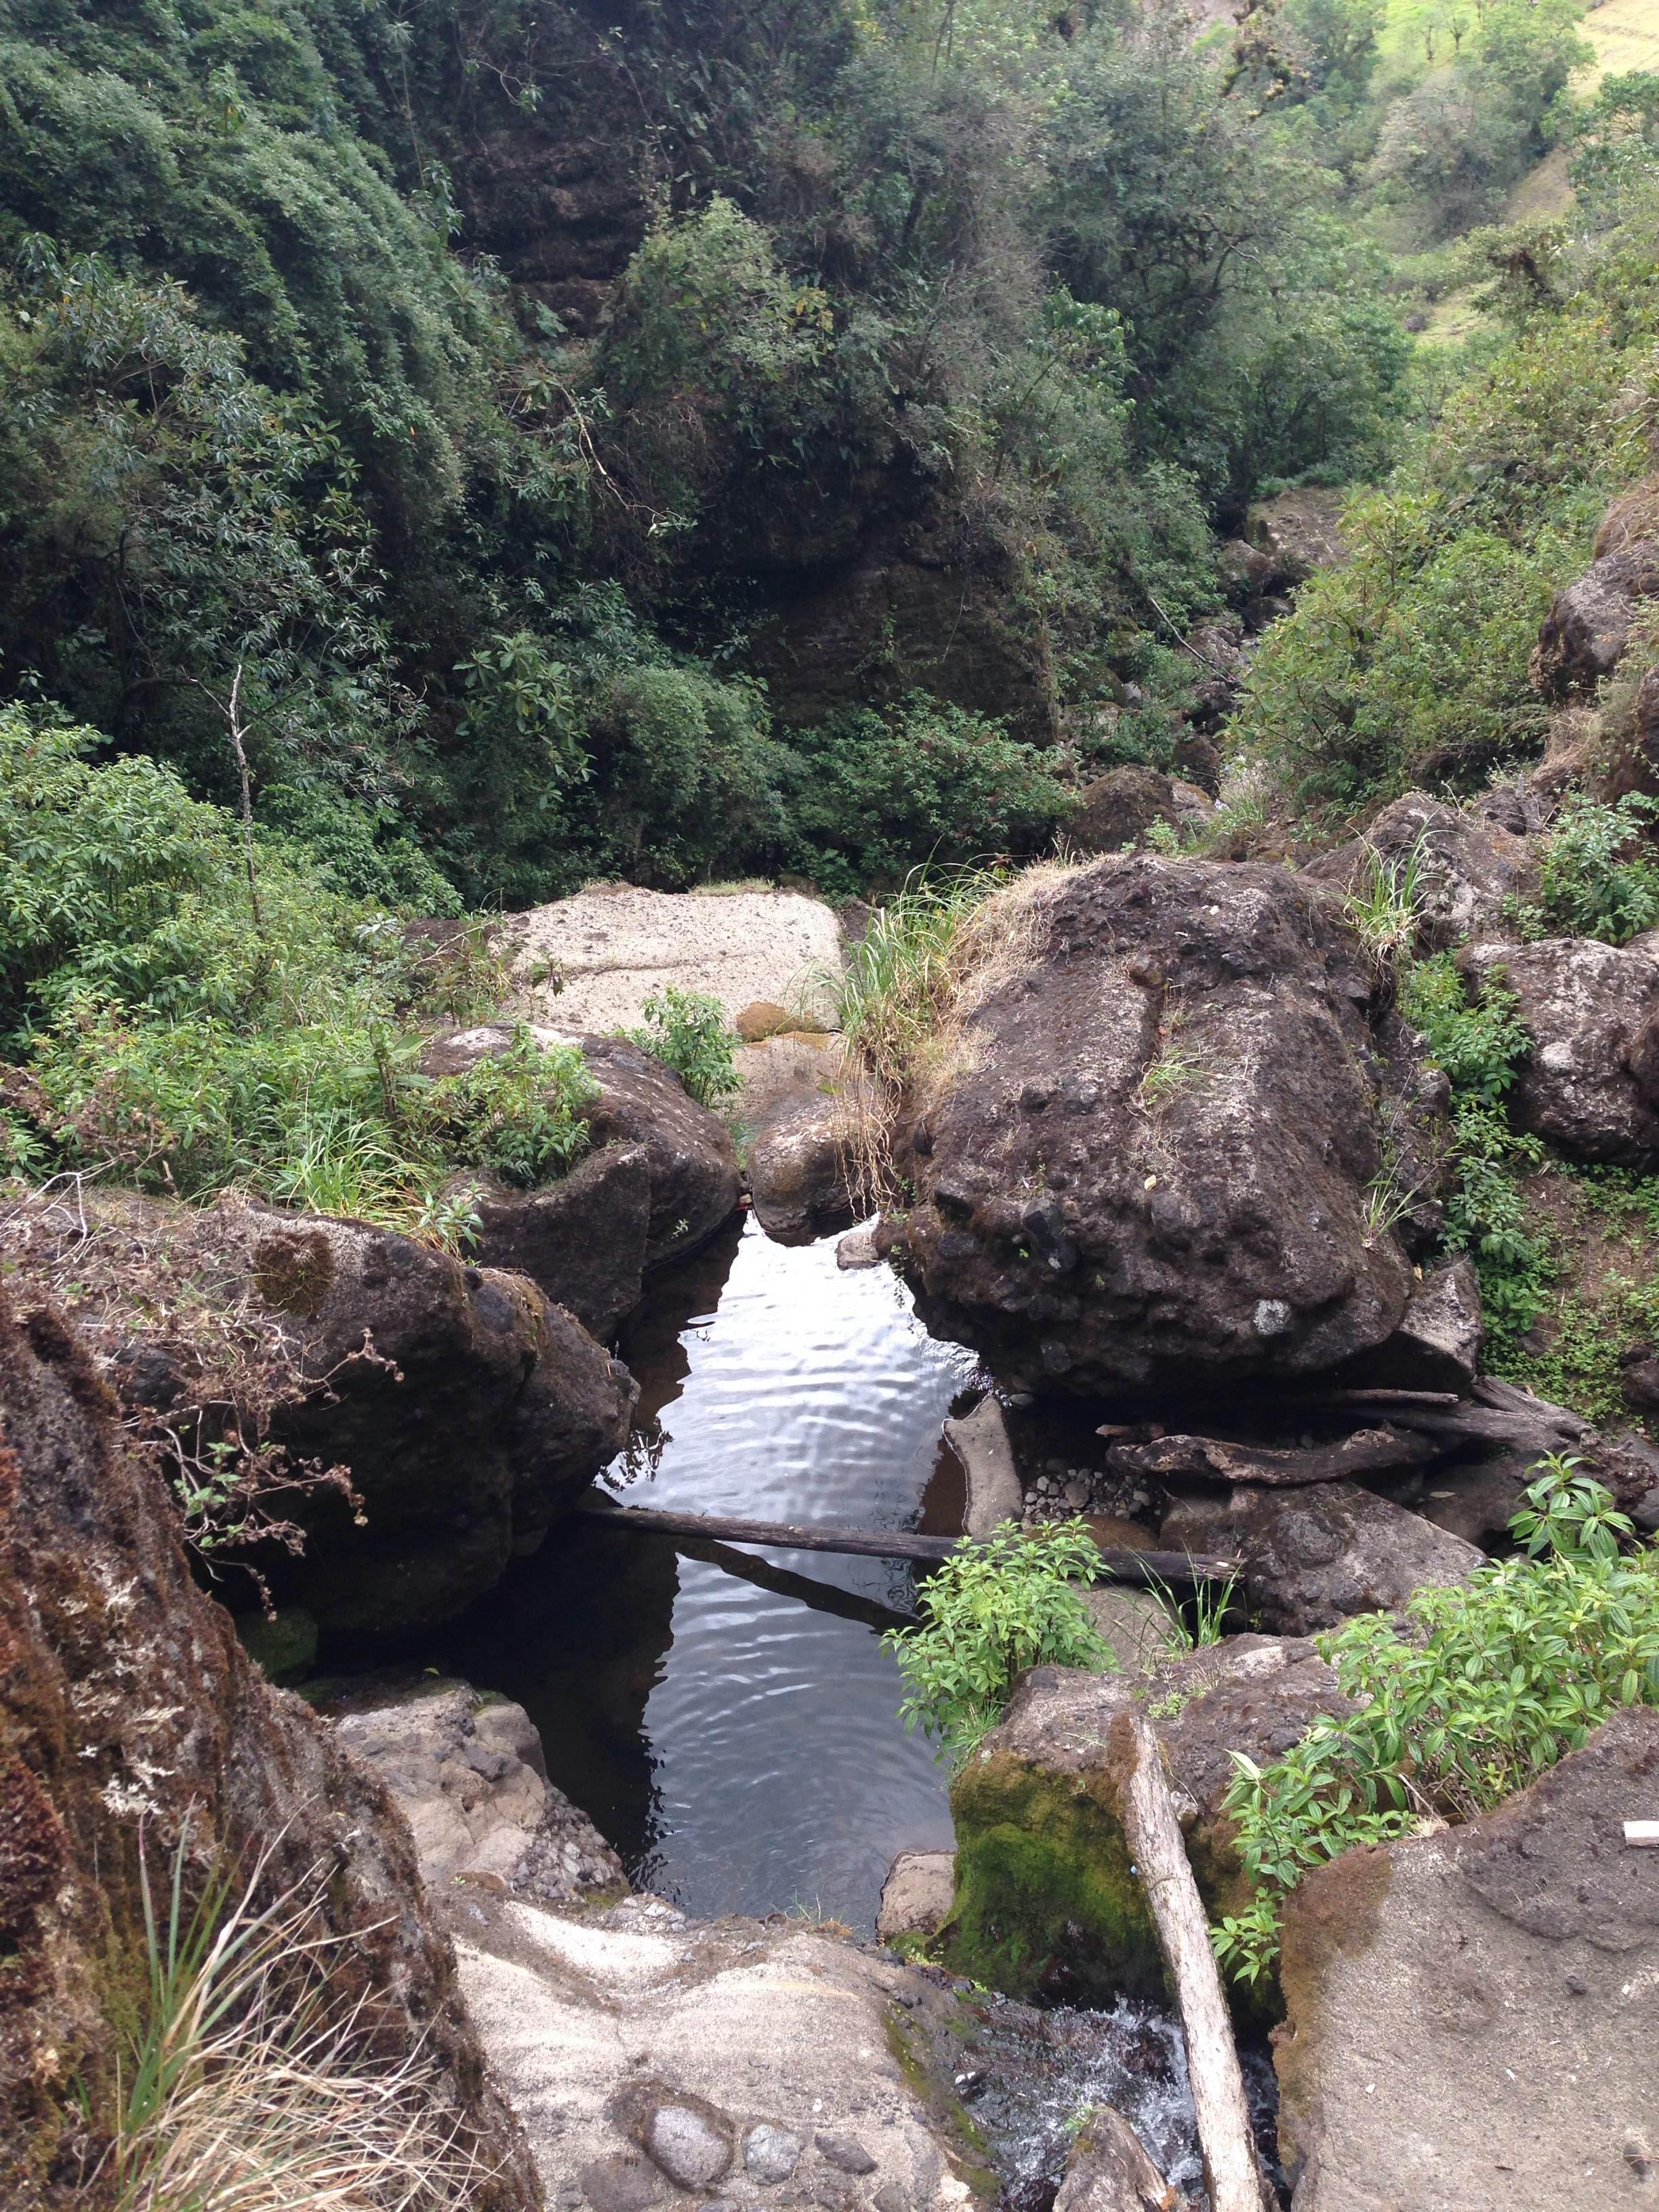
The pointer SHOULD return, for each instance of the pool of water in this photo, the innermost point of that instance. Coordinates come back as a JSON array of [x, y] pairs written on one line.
[[729, 1720]]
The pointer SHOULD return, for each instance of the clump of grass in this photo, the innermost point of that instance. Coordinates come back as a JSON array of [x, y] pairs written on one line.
[[1384, 904], [1174, 1068], [930, 956], [249, 2087]]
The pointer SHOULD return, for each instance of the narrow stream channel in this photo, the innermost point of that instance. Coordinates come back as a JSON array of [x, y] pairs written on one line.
[[740, 1748]]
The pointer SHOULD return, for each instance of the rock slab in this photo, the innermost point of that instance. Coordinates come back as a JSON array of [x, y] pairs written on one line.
[[1472, 2015]]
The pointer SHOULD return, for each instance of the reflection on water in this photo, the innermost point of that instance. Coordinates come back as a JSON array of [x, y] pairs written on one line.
[[738, 1745]]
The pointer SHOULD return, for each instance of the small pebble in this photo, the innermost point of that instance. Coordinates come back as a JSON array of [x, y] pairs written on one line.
[[842, 2151]]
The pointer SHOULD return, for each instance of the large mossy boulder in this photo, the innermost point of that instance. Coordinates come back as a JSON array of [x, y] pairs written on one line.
[[1152, 1163], [465, 1409], [1471, 2015], [1046, 1901]]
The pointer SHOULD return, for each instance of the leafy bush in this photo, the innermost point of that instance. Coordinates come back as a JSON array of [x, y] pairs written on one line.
[[1599, 875], [1488, 1215], [1478, 1690], [1569, 1515], [166, 1038], [992, 1609], [688, 1031], [870, 796]]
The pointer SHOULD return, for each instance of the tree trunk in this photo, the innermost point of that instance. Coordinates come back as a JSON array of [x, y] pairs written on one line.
[[1232, 2174]]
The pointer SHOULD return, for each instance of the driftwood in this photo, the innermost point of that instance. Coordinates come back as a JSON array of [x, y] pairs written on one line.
[[1232, 2172], [1500, 1413], [1172, 1567], [1108, 2171], [1367, 1451]]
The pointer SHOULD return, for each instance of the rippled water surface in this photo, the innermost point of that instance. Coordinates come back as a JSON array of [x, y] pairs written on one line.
[[738, 1743]]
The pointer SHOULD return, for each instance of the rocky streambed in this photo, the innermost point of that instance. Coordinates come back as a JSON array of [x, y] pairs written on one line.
[[654, 1801]]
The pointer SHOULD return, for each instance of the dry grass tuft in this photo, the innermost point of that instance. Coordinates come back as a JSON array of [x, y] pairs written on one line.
[[252, 2088], [930, 958]]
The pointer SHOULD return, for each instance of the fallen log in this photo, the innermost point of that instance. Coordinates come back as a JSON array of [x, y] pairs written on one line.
[[1500, 1413], [1232, 2172], [1367, 1451], [1175, 1568]]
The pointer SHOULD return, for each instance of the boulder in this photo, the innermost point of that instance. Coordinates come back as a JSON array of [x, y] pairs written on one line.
[[1118, 809], [1150, 1166], [1591, 1082], [1046, 1901], [691, 1159], [465, 1409], [1246, 573], [1587, 630], [800, 1170], [582, 1240], [916, 1897], [1471, 2014], [1437, 1344], [1108, 2171], [468, 1772], [131, 1723], [1314, 1557], [1468, 869]]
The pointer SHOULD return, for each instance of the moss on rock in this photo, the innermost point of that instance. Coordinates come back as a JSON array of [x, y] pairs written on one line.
[[1047, 1902]]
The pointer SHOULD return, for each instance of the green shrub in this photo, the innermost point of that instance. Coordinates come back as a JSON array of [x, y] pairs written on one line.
[[1480, 1046], [871, 796], [166, 1038], [993, 1609], [1478, 1690], [688, 1031], [1599, 875]]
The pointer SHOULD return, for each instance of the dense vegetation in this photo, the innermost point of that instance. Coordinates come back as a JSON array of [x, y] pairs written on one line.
[[316, 443]]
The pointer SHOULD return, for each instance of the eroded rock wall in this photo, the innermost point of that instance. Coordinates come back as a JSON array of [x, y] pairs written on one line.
[[127, 1709]]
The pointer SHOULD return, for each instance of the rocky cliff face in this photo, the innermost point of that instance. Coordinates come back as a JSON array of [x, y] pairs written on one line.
[[1157, 1163], [127, 1709]]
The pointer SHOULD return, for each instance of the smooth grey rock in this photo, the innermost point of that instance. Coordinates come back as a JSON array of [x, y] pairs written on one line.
[[621, 2184], [980, 1441], [858, 1249], [771, 2153], [844, 2153], [916, 1897], [688, 2145], [433, 1741]]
